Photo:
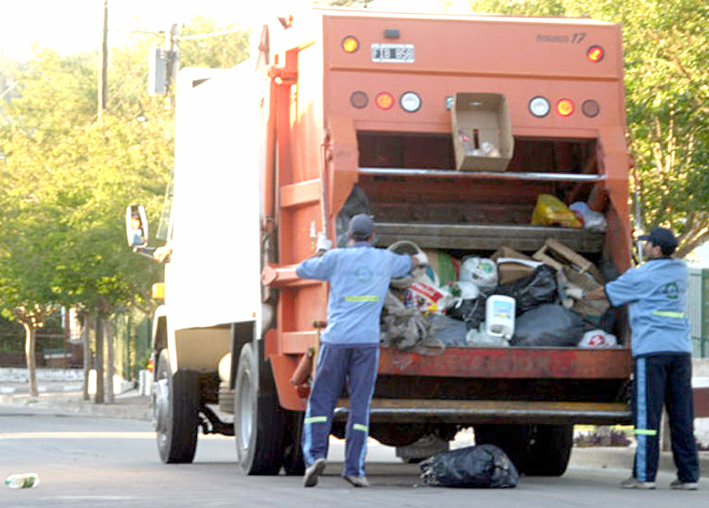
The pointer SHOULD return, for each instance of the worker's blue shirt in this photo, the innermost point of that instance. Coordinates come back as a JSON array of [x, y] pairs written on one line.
[[656, 294], [359, 278]]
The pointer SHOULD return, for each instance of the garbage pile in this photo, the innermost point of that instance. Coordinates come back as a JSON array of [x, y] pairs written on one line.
[[509, 299]]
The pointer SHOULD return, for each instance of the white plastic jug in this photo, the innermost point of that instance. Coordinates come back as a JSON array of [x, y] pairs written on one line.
[[500, 316]]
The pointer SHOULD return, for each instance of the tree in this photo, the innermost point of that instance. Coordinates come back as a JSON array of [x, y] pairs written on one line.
[[667, 85]]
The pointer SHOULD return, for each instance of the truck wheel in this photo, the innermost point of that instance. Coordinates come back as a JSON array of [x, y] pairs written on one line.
[[293, 461], [258, 420], [550, 450], [175, 412], [512, 439]]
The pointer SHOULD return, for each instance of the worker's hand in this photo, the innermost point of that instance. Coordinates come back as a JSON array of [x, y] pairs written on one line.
[[575, 292], [323, 244], [419, 259]]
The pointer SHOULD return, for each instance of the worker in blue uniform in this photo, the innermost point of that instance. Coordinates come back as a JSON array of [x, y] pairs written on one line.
[[661, 346], [359, 278]]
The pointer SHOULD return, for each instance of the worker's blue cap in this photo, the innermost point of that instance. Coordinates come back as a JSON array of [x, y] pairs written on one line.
[[361, 226], [662, 237]]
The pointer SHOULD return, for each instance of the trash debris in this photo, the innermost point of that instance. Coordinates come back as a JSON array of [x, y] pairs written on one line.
[[22, 481], [481, 466]]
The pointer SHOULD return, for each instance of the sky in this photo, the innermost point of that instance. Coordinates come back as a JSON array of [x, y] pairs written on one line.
[[71, 26]]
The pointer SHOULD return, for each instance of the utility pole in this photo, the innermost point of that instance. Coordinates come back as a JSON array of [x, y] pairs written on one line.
[[172, 57], [103, 65]]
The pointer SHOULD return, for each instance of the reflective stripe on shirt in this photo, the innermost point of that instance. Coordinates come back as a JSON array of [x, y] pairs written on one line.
[[668, 313], [362, 298]]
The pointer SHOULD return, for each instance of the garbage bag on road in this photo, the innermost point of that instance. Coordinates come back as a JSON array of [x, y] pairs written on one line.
[[481, 466]]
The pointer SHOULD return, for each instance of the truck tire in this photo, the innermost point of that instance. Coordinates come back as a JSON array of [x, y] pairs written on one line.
[[293, 461], [550, 450], [512, 439], [176, 410], [258, 420]]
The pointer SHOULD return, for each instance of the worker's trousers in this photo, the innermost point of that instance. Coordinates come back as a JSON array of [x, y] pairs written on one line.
[[336, 366], [664, 378]]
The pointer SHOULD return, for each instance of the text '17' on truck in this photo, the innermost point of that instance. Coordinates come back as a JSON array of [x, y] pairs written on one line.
[[447, 129]]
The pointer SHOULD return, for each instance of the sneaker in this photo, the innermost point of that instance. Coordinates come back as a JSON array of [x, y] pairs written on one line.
[[357, 481], [633, 483], [680, 485], [310, 479]]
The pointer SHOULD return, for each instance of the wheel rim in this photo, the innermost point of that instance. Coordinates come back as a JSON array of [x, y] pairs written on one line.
[[161, 408], [245, 411]]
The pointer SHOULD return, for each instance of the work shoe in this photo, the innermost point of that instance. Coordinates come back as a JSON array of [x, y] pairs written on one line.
[[680, 485], [357, 481], [310, 478], [633, 483]]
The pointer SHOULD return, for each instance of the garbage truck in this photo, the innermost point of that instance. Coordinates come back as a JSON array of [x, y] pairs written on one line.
[[446, 129]]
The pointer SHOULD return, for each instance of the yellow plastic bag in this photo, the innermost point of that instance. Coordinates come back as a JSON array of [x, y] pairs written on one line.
[[551, 211]]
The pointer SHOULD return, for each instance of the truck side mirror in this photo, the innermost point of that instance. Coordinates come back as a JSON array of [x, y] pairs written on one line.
[[136, 226]]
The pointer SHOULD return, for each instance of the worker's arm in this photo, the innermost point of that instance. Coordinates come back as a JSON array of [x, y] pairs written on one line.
[[598, 293]]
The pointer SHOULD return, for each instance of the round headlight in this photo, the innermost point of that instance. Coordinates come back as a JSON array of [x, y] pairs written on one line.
[[539, 106]]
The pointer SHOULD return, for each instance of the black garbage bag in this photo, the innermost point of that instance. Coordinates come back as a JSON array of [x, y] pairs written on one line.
[[548, 325], [481, 466], [535, 289], [472, 311]]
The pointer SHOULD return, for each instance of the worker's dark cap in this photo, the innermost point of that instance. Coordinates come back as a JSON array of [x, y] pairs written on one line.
[[662, 237], [361, 226]]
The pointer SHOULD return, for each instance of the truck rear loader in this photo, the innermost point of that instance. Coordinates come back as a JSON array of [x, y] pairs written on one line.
[[451, 127]]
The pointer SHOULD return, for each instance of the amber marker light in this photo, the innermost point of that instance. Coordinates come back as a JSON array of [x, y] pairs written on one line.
[[384, 100], [565, 107], [350, 44], [595, 54]]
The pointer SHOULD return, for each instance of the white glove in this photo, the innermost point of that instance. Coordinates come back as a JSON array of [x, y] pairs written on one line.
[[575, 292], [323, 243], [420, 259]]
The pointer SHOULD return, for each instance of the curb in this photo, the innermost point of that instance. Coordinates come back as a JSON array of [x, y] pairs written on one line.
[[129, 405]]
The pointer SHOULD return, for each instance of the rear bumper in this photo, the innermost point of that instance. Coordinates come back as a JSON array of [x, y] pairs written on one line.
[[470, 412]]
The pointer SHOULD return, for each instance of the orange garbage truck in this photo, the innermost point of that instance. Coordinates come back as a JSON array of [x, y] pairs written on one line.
[[447, 129]]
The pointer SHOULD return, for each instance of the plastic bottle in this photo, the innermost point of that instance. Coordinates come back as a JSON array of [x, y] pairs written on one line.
[[22, 481], [500, 316]]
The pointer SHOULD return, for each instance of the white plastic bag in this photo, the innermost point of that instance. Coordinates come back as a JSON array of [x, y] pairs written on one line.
[[593, 221], [481, 271], [598, 339]]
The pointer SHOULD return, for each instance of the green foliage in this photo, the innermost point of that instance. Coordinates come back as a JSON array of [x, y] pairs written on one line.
[[224, 48], [667, 87]]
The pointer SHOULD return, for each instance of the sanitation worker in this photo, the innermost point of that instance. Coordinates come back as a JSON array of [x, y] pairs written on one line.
[[359, 278], [661, 346]]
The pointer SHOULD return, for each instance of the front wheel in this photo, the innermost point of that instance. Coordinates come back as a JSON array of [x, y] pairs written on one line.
[[175, 412], [258, 420]]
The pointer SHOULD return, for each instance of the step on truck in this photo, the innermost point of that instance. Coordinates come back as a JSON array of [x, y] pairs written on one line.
[[336, 104]]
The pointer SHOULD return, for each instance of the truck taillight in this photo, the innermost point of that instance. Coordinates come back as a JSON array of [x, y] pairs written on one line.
[[539, 106], [350, 44], [359, 99], [565, 107], [149, 366], [410, 102], [384, 100], [590, 108], [595, 54]]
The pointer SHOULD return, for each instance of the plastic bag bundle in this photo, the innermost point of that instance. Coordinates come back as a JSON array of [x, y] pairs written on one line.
[[536, 289], [593, 221], [407, 329], [471, 311], [481, 271], [548, 325], [482, 466], [427, 298], [551, 211], [598, 339]]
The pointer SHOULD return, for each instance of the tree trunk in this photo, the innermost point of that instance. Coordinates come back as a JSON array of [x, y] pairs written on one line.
[[30, 346], [99, 360], [110, 360], [86, 341]]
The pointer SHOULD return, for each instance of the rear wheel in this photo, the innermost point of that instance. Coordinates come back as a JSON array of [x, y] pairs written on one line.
[[550, 450], [258, 420], [175, 412], [512, 439], [293, 461]]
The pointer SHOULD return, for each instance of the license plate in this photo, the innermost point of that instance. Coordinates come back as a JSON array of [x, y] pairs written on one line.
[[393, 53]]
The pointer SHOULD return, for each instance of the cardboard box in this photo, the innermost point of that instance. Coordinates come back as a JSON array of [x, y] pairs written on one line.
[[480, 121], [507, 269]]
